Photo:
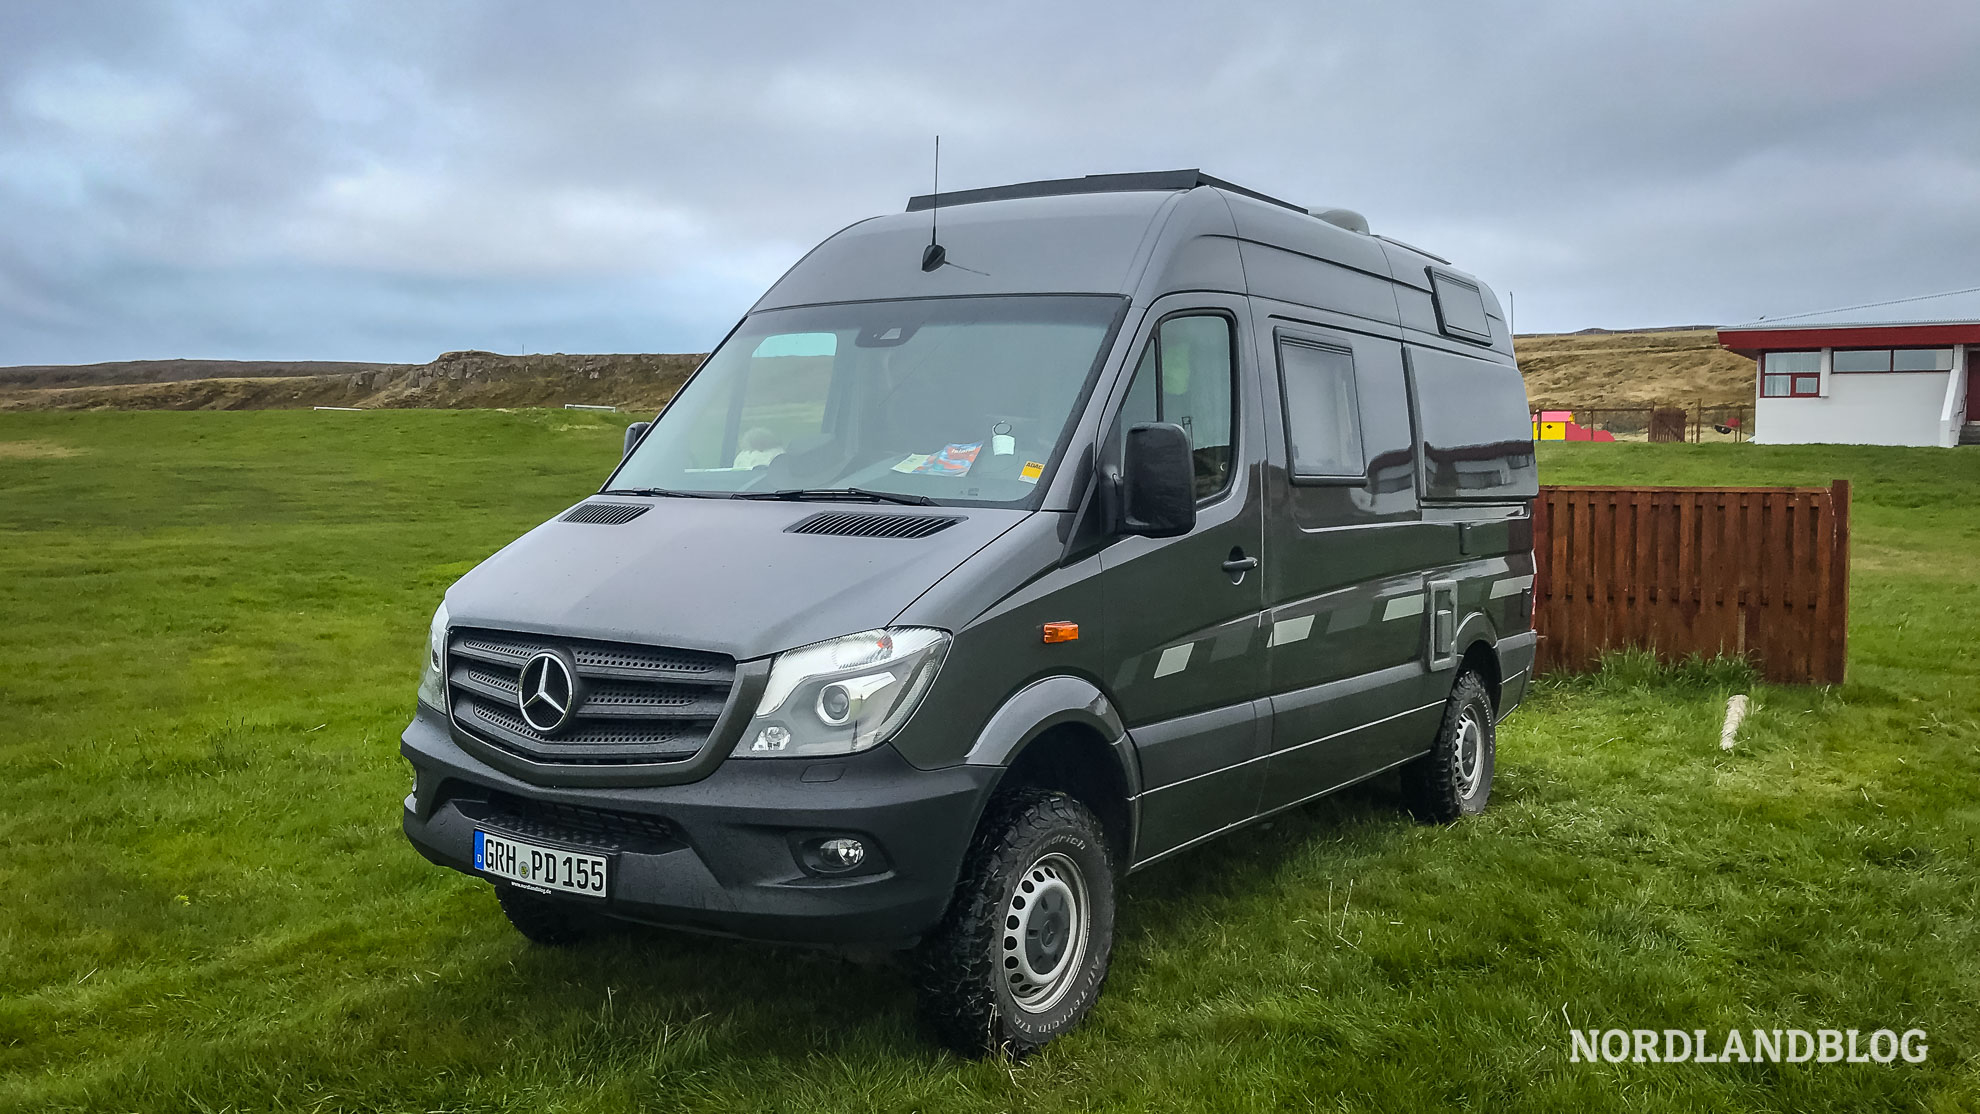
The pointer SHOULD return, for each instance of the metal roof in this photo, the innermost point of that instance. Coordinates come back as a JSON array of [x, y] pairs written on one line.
[[1952, 307]]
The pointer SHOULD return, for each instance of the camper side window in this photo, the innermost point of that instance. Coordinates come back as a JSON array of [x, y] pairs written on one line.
[[1323, 414], [1460, 307], [1185, 377]]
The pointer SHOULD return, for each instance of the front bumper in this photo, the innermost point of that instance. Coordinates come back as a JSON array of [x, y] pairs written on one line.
[[724, 854]]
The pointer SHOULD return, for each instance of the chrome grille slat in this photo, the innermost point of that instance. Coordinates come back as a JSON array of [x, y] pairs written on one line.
[[638, 704], [593, 743], [603, 700]]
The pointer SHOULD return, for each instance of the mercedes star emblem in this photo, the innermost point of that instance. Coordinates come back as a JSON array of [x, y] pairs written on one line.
[[546, 692]]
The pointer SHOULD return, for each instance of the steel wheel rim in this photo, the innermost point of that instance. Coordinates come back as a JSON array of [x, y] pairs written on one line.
[[1046, 925], [1469, 752]]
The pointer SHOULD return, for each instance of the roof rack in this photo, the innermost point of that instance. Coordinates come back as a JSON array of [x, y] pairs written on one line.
[[1153, 180]]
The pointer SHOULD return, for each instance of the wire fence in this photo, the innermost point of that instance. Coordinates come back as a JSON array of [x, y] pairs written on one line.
[[1698, 423]]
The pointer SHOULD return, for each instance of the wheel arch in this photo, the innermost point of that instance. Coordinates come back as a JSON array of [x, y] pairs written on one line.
[[1063, 733], [1482, 657]]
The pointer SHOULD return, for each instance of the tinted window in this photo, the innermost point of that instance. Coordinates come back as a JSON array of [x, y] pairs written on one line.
[[1477, 431], [1323, 411], [1461, 307], [1185, 377]]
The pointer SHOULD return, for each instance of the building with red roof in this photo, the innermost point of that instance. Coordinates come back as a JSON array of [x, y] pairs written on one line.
[[1904, 372]]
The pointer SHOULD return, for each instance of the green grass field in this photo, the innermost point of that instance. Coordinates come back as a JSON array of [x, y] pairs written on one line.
[[212, 624]]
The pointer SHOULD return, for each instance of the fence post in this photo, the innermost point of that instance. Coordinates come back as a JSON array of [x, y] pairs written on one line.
[[1839, 584]]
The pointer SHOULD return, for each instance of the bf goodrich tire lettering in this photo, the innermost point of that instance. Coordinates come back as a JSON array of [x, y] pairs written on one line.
[[1455, 779], [1023, 952]]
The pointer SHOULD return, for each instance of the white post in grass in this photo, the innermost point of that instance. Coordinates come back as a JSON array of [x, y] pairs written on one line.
[[1735, 712]]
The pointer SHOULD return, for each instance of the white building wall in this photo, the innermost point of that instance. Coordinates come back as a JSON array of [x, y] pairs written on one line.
[[1877, 408]]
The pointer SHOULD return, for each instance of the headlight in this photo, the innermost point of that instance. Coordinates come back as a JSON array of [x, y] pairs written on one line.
[[843, 696], [433, 678]]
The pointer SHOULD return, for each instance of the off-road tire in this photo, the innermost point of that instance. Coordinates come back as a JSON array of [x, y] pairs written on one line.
[[966, 969], [547, 921], [1436, 787]]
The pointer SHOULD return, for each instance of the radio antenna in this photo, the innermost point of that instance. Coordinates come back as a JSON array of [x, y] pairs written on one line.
[[934, 257]]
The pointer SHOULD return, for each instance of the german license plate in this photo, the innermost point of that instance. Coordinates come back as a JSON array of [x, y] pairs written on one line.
[[552, 868]]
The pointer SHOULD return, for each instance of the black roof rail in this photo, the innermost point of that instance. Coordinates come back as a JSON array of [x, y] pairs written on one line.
[[1145, 181]]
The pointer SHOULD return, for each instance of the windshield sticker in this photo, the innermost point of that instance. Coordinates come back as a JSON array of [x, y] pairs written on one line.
[[913, 463], [1031, 471], [953, 460]]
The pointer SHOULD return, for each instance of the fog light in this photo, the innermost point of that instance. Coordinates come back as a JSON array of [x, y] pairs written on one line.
[[771, 739], [841, 854]]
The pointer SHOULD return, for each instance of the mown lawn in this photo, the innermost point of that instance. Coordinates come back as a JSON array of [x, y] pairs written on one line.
[[212, 624]]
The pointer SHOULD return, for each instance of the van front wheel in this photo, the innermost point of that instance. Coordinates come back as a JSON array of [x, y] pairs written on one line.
[[1023, 951], [1455, 779]]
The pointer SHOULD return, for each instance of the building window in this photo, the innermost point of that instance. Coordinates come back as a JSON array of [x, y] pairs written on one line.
[[1922, 359], [1791, 375], [1860, 360]]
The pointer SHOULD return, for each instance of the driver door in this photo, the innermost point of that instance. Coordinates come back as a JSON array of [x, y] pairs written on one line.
[[1183, 634]]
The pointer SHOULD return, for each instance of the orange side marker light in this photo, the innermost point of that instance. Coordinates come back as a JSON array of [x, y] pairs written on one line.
[[1061, 632]]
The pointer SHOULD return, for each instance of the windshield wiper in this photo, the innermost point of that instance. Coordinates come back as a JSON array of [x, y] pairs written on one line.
[[657, 491], [837, 494]]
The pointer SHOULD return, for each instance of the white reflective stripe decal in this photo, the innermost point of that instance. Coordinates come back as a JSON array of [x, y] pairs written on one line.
[[1402, 607], [1175, 659], [1291, 630], [1511, 586]]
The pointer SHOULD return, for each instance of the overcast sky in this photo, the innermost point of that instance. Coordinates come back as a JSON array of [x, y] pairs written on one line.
[[387, 181]]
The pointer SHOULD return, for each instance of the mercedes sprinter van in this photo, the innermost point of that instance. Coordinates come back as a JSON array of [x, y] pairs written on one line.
[[1009, 544]]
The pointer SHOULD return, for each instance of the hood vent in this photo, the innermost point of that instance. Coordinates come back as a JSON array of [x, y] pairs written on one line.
[[866, 524], [605, 514]]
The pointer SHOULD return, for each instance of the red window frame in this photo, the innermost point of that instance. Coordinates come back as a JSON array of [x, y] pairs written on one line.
[[1796, 381], [1800, 384]]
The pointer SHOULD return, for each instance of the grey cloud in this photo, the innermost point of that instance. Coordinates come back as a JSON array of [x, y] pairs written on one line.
[[388, 180]]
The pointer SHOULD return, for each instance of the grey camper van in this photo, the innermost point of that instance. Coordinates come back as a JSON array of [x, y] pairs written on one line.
[[1003, 548]]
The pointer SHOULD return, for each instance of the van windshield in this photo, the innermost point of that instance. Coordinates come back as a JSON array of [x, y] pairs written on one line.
[[951, 400]]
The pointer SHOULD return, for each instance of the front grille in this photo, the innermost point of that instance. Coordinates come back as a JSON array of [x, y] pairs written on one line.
[[603, 829], [635, 704]]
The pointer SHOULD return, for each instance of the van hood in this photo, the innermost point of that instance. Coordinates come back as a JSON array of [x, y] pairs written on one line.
[[715, 574]]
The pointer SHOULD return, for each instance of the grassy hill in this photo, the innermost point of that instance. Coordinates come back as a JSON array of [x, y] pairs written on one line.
[[456, 380], [1680, 367]]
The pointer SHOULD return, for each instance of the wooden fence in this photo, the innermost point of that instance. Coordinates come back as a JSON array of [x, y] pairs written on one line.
[[1757, 571]]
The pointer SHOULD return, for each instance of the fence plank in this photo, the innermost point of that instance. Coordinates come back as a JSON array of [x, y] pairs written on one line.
[[1762, 572]]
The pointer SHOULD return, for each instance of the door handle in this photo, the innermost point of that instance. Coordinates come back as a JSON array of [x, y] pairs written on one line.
[[1240, 564]]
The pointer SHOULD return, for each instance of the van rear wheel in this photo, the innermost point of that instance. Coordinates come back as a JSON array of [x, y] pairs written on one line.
[[1023, 951], [1455, 779]]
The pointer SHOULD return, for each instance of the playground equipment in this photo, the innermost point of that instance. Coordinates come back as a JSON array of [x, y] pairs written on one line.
[[1559, 425]]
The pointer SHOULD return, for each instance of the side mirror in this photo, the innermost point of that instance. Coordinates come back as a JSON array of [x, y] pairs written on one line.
[[634, 432], [1158, 478]]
